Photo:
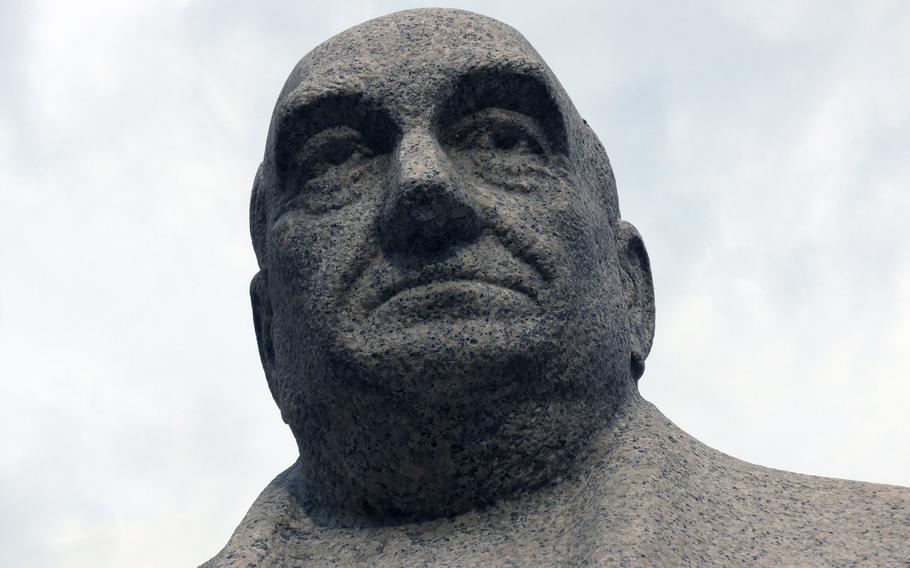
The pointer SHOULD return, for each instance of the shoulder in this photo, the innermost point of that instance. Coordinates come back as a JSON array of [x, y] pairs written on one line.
[[768, 516], [260, 536], [829, 519]]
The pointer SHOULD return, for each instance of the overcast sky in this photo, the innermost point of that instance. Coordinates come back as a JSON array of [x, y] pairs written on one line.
[[761, 149]]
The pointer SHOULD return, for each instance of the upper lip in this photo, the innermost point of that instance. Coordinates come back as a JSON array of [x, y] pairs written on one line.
[[377, 278]]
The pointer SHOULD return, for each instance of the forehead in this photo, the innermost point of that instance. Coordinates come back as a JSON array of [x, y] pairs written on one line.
[[408, 60], [403, 66]]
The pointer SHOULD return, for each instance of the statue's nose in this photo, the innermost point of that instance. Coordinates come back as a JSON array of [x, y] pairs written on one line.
[[426, 209]]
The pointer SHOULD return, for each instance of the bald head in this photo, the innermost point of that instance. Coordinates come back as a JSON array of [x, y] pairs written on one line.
[[442, 258], [426, 66]]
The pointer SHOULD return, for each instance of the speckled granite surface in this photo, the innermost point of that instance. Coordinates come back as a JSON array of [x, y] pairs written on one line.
[[453, 317], [648, 495]]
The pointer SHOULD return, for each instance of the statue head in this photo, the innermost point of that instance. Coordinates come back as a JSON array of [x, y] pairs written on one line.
[[447, 299]]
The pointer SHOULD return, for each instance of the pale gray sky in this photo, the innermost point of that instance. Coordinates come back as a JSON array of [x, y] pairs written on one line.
[[761, 148]]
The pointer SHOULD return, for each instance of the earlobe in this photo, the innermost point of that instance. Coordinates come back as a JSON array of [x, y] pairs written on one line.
[[638, 290], [262, 323]]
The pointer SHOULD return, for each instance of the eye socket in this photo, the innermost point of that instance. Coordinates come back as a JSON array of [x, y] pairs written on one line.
[[337, 154], [331, 148], [516, 138], [498, 130], [330, 170], [504, 149], [505, 140]]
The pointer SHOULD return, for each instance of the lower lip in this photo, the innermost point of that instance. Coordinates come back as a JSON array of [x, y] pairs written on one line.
[[453, 300]]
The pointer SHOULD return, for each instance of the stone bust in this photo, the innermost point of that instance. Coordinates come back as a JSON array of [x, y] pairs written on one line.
[[453, 318]]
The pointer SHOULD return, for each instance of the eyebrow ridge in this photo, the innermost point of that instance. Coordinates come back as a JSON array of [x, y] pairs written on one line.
[[513, 88], [300, 117]]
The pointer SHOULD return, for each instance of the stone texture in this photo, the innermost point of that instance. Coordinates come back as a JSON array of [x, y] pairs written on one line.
[[452, 318]]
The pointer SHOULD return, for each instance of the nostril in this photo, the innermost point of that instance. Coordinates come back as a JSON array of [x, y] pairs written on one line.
[[429, 224], [427, 207]]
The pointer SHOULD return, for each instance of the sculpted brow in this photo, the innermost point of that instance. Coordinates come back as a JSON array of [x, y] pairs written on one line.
[[517, 91], [299, 122]]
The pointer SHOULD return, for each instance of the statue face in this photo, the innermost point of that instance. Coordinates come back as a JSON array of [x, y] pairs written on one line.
[[431, 229]]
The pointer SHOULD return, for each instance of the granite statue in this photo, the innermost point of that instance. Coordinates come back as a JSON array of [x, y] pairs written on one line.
[[453, 318]]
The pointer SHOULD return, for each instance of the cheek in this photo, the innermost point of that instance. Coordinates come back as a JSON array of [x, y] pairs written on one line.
[[592, 268], [595, 232], [314, 257], [293, 255]]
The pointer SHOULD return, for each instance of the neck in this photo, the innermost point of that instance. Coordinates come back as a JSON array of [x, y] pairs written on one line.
[[367, 458]]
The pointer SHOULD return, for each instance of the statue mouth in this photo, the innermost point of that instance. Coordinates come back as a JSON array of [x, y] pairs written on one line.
[[453, 296], [482, 280], [448, 281], [453, 300]]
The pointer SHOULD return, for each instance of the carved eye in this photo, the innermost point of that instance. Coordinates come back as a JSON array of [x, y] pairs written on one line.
[[498, 130], [503, 149], [515, 138], [337, 154], [333, 147], [505, 140], [332, 169]]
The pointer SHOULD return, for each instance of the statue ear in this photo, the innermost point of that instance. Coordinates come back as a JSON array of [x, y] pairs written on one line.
[[638, 290], [262, 323]]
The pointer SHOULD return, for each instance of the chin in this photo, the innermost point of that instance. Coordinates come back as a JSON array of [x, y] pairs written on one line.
[[450, 357]]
